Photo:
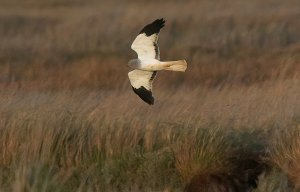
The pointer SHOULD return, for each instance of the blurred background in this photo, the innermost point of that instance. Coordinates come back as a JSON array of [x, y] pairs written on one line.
[[58, 44]]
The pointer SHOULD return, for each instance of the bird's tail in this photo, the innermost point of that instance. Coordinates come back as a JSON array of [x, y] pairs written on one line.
[[179, 65]]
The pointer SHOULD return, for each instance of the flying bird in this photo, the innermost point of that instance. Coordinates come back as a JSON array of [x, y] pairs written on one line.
[[148, 62]]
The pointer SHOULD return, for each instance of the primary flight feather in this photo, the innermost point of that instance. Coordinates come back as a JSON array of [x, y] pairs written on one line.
[[148, 62]]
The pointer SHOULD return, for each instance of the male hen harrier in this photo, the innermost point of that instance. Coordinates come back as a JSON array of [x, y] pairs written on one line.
[[148, 62]]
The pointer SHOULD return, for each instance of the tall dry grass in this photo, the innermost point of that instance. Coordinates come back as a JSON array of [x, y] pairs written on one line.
[[95, 141]]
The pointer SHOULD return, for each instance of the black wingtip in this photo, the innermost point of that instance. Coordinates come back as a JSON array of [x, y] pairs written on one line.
[[153, 27], [144, 94]]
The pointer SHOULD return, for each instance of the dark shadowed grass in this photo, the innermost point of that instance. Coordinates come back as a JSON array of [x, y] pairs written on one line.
[[285, 152]]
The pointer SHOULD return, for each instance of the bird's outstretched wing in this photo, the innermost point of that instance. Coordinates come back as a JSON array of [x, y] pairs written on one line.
[[141, 82], [145, 44]]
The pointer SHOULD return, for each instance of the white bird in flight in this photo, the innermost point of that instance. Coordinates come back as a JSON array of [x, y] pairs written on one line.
[[148, 62]]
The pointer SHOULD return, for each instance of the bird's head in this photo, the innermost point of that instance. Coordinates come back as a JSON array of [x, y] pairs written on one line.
[[133, 63]]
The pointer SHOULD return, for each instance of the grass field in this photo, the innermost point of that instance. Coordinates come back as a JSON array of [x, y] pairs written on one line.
[[69, 120]]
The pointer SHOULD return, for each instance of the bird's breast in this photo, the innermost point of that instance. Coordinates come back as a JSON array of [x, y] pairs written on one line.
[[144, 64]]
